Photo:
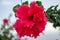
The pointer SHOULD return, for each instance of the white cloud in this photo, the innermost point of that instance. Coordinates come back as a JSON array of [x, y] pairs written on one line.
[[5, 2]]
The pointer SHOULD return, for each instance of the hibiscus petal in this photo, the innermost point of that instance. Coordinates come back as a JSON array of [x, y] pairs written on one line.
[[27, 23], [18, 26], [22, 11]]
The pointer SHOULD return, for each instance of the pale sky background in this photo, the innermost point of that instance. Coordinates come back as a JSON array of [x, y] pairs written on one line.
[[6, 7]]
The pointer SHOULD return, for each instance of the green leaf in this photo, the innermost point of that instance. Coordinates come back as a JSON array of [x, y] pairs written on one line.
[[58, 20], [54, 25], [10, 28], [56, 7], [26, 2], [0, 37], [54, 15], [39, 3], [50, 9], [14, 8]]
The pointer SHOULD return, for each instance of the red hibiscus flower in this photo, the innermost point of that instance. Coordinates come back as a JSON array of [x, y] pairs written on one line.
[[5, 21], [32, 20]]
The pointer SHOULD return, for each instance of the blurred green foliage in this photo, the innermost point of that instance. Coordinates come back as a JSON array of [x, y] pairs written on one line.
[[5, 30], [53, 15]]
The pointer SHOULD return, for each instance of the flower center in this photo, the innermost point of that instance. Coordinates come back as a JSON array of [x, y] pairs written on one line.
[[30, 18]]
